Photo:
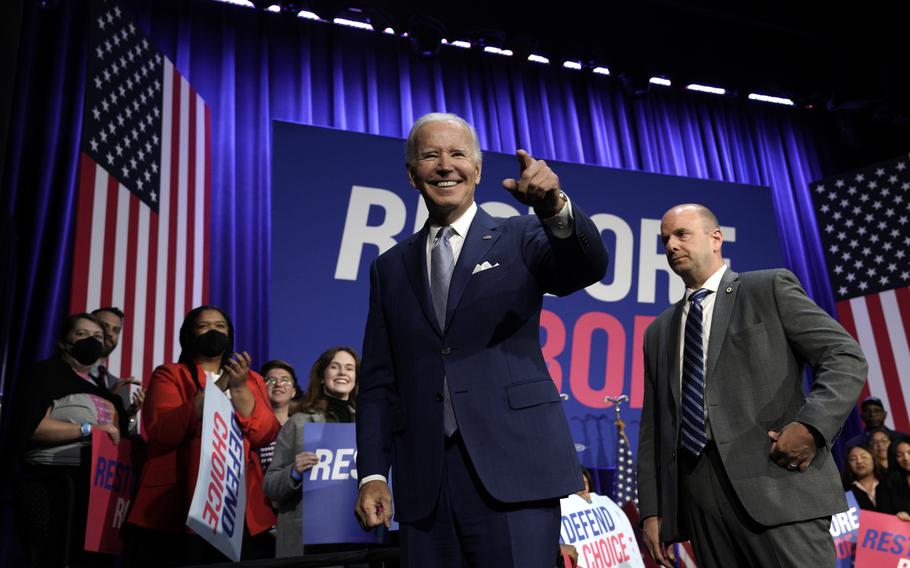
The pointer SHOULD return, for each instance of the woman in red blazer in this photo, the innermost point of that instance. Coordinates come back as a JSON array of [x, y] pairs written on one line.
[[172, 425]]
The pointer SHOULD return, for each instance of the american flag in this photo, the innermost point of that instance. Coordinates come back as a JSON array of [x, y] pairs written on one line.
[[685, 555], [143, 207], [625, 488], [864, 218]]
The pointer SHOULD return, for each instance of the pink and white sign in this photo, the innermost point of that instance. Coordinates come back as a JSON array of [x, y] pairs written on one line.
[[883, 542], [113, 484], [219, 501]]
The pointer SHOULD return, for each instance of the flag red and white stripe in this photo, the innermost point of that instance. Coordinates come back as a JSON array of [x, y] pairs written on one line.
[[686, 555], [864, 222], [144, 184], [880, 322]]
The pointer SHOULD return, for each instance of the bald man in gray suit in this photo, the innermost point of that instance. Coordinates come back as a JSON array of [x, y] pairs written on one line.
[[733, 455]]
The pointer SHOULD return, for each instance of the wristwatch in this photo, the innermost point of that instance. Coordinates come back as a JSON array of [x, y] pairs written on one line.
[[86, 429]]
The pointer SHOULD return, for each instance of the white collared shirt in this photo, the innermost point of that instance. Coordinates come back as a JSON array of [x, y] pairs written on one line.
[[560, 226], [707, 307]]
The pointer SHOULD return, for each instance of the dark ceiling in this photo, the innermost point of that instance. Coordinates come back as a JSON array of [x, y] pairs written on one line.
[[818, 54]]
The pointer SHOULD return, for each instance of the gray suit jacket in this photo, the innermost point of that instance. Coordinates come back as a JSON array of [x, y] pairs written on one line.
[[764, 331], [281, 488]]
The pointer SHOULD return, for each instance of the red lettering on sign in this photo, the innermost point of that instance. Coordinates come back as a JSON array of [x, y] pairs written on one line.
[[585, 327]]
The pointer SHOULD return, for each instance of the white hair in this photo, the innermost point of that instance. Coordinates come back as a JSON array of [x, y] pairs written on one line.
[[411, 148]]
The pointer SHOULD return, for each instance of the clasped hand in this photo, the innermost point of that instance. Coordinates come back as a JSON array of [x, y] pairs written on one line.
[[793, 448], [235, 374]]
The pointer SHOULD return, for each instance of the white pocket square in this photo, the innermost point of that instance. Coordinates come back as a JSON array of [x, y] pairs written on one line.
[[485, 266]]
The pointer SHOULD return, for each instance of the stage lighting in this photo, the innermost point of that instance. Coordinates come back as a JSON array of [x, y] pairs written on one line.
[[706, 89], [244, 3], [353, 24], [660, 81], [601, 70], [498, 51], [457, 43], [576, 65], [770, 99], [538, 59]]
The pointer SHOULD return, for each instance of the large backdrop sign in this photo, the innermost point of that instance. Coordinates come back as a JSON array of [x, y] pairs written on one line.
[[339, 199]]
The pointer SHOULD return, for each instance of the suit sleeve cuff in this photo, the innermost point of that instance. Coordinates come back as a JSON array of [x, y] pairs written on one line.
[[370, 478], [561, 225]]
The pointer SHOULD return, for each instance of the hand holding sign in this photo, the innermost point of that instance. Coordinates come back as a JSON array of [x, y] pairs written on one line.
[[304, 461], [538, 186], [111, 430]]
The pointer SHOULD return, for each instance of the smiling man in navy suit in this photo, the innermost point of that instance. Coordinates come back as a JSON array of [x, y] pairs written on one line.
[[454, 391]]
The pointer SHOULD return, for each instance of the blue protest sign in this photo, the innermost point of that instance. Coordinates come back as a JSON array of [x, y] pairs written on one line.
[[330, 487]]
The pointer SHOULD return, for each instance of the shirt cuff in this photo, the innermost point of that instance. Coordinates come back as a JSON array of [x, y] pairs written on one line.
[[369, 478], [562, 224], [298, 477]]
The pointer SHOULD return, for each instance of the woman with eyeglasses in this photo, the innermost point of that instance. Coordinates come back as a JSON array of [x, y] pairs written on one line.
[[330, 397], [879, 443], [281, 380], [172, 423]]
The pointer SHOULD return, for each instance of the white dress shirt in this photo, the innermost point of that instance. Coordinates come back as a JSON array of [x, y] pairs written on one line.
[[707, 306], [560, 225]]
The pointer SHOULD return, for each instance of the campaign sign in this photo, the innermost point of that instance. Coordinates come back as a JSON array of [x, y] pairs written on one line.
[[599, 531], [219, 501], [339, 199], [113, 485], [883, 541], [330, 487], [844, 528]]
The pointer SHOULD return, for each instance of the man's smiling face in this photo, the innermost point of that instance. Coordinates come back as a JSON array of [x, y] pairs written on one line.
[[446, 171]]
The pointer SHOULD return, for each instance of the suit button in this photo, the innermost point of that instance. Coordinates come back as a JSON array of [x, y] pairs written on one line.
[[446, 350], [438, 397]]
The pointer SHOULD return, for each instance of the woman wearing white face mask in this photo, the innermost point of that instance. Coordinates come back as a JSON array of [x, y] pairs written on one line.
[[57, 405], [330, 397]]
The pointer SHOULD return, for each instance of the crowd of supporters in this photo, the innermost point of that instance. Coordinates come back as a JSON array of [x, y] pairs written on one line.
[[60, 401]]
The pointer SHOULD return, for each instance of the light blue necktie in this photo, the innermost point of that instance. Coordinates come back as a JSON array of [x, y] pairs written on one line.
[[442, 262], [694, 435]]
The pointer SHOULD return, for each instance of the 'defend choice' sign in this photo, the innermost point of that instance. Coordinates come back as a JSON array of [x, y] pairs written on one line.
[[600, 532], [219, 500]]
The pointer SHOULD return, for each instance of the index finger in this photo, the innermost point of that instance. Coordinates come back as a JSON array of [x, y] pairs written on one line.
[[387, 515], [524, 159]]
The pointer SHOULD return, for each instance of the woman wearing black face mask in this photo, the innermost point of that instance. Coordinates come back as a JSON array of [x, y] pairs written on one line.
[[172, 423], [56, 407]]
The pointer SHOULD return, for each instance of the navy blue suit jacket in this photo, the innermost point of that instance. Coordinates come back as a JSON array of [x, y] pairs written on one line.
[[508, 410]]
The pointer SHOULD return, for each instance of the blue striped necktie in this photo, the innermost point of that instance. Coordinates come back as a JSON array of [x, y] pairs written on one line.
[[442, 263], [694, 435]]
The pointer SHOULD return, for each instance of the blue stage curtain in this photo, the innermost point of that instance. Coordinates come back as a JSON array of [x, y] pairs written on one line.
[[255, 67]]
